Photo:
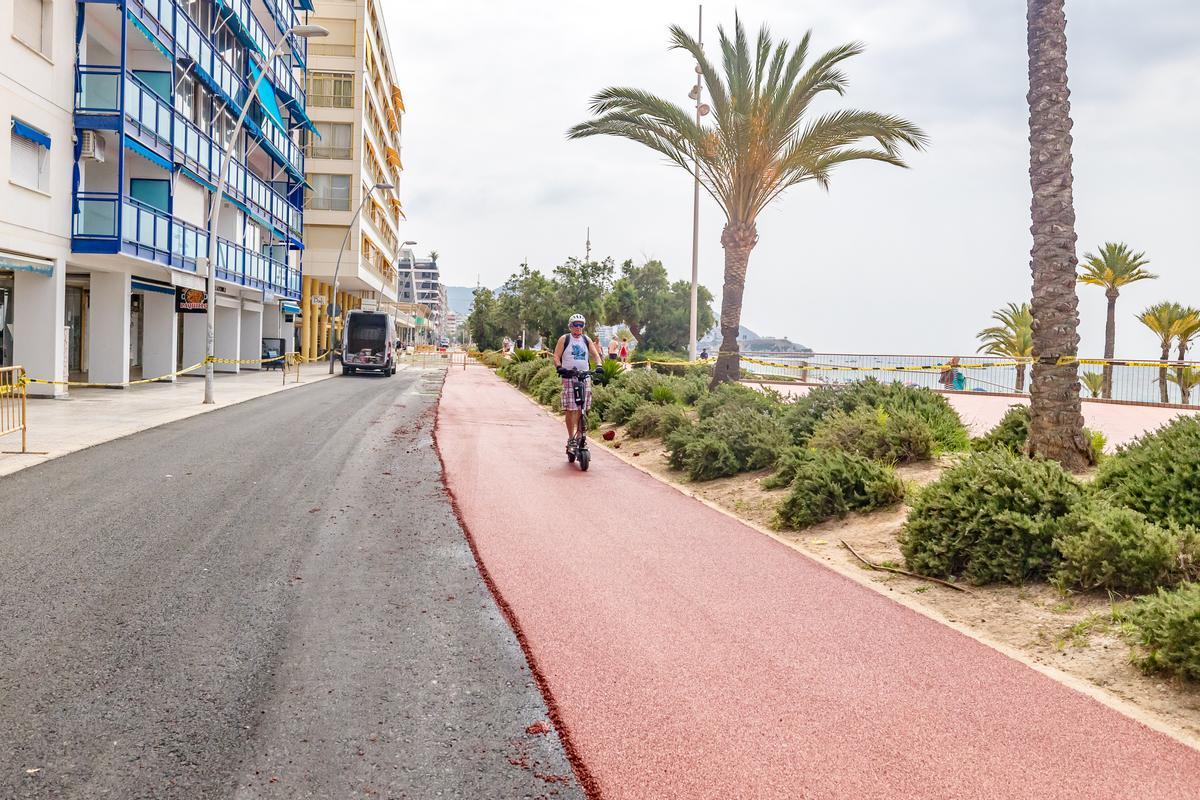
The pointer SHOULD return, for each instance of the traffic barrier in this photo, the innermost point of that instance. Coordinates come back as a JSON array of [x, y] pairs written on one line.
[[12, 404]]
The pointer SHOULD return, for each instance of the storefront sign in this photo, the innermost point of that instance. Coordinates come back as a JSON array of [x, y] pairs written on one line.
[[318, 299], [190, 301]]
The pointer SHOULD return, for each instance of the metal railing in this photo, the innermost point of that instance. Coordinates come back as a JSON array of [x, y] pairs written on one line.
[[320, 100], [1148, 382], [12, 403], [315, 150]]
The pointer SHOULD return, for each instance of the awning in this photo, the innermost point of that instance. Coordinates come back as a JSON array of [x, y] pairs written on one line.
[[304, 5], [289, 308], [239, 27], [145, 286], [148, 154], [266, 96], [273, 151], [22, 263], [397, 99], [296, 109], [192, 175], [393, 120], [393, 158], [29, 132], [159, 46]]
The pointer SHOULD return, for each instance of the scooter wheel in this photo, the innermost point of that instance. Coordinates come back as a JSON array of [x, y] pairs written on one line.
[[584, 459], [570, 458]]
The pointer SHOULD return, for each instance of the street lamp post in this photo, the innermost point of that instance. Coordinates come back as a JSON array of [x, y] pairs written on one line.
[[701, 110], [214, 209], [338, 266]]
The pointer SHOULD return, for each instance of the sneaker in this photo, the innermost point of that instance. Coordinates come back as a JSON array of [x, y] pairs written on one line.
[[571, 445]]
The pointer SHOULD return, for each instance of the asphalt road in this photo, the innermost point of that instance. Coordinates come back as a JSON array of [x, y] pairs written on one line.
[[273, 600]]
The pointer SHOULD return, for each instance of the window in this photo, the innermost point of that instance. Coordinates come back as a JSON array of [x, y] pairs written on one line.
[[151, 192], [31, 24], [331, 89], [30, 157], [329, 192], [335, 141]]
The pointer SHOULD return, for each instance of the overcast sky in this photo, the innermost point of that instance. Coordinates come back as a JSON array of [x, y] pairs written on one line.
[[890, 260]]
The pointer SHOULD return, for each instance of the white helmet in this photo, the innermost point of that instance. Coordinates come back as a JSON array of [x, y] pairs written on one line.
[[576, 318]]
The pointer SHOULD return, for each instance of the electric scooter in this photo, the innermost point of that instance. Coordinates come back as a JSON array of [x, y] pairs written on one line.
[[579, 453]]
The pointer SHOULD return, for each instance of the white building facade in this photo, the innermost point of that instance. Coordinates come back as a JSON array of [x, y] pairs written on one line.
[[115, 118]]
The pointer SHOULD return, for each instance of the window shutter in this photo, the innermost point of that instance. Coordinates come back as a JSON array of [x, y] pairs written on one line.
[[27, 22], [25, 162]]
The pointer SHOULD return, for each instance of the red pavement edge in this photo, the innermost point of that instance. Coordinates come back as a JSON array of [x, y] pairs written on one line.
[[582, 774]]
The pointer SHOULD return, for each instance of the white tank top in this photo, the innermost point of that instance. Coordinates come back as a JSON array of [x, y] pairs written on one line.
[[575, 353]]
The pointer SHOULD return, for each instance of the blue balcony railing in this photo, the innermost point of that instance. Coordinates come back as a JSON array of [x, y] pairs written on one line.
[[147, 110], [97, 89]]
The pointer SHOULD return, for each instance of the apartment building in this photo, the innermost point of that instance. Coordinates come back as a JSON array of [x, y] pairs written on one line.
[[430, 292], [356, 106], [117, 115]]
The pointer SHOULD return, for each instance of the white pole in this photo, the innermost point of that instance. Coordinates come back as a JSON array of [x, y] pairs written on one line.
[[692, 332]]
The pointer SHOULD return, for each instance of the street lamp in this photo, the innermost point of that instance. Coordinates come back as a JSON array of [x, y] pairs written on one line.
[[338, 266], [214, 208], [701, 110]]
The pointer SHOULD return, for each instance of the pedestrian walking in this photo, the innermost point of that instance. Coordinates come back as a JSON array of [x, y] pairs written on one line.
[[624, 352], [614, 347]]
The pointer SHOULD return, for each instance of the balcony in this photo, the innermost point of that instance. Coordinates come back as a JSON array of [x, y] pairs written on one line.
[[106, 222]]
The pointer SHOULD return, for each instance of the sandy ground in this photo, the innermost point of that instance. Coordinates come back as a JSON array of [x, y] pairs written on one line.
[[1070, 633]]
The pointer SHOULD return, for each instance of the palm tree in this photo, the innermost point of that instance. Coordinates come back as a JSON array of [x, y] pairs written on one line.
[[1093, 382], [1186, 378], [1056, 418], [1186, 328], [762, 140], [1115, 266], [1163, 321], [1012, 338]]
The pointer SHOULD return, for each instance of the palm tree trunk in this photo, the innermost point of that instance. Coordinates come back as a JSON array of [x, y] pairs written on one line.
[[738, 239], [1181, 375], [1056, 420], [1110, 343], [1163, 394], [1019, 388]]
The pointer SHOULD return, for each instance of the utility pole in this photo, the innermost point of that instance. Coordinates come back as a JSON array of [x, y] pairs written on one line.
[[692, 332], [588, 247]]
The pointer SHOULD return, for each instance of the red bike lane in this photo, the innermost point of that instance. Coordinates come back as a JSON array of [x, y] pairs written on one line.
[[688, 656]]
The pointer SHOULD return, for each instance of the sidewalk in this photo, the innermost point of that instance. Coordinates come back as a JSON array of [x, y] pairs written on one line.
[[92, 416], [688, 656]]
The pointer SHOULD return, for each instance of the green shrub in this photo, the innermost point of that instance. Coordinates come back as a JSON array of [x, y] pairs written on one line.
[[894, 437], [526, 374], [663, 395], [1167, 628], [1103, 546], [1098, 442], [610, 368], [1158, 474], [656, 420], [1010, 432], [548, 390], [690, 388], [991, 517], [737, 439], [492, 358], [786, 464], [830, 483], [806, 414], [736, 395], [640, 382], [620, 406], [523, 354]]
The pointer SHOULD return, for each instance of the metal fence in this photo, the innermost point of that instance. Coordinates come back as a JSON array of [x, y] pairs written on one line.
[[1175, 383], [12, 402]]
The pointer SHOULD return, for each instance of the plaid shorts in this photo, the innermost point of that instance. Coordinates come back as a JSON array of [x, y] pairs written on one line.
[[568, 395]]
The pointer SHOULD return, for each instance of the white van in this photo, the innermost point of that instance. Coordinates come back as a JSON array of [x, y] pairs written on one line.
[[368, 343]]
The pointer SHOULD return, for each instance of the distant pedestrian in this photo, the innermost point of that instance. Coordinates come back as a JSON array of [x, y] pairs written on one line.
[[614, 347], [946, 376], [704, 354], [624, 352]]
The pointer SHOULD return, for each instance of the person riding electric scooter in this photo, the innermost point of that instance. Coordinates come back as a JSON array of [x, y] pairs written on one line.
[[572, 357]]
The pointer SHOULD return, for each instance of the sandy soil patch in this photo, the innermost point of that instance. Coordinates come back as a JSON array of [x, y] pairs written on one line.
[[1072, 633]]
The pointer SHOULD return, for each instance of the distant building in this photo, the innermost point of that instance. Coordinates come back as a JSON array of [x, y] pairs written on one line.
[[429, 292], [751, 342]]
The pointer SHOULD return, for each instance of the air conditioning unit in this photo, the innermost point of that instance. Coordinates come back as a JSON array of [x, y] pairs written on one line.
[[93, 146]]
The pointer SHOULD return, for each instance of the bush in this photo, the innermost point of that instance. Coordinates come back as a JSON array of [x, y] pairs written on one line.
[[737, 439], [492, 358], [620, 406], [527, 374], [894, 437], [806, 414], [1103, 546], [1167, 627], [690, 388], [548, 390], [734, 396], [656, 420], [1158, 474], [830, 483], [991, 517], [523, 354], [1010, 432], [610, 369], [663, 395], [640, 382]]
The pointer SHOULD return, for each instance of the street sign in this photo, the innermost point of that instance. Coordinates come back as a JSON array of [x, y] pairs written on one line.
[[370, 304], [319, 300], [333, 310]]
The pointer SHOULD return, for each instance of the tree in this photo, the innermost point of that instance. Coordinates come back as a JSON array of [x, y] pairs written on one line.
[[1186, 378], [1012, 338], [582, 288], [1162, 320], [1056, 416], [530, 303], [1115, 266], [1186, 328], [761, 142], [638, 295], [481, 323]]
